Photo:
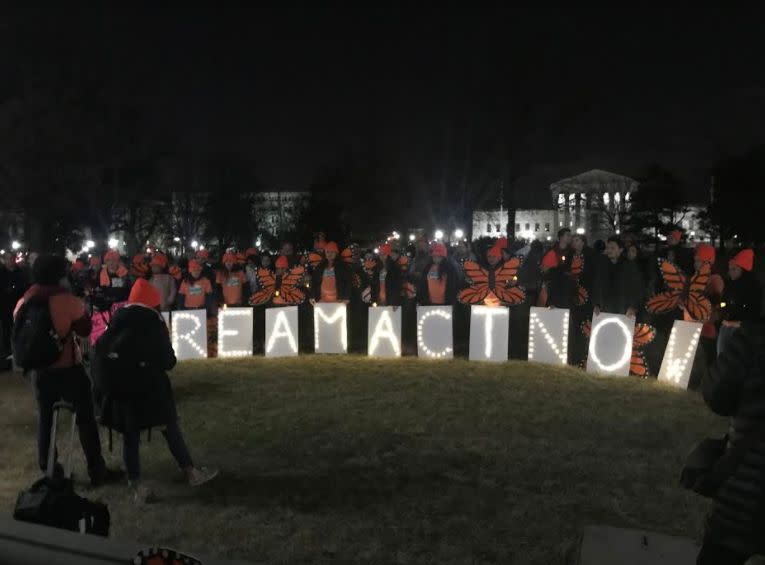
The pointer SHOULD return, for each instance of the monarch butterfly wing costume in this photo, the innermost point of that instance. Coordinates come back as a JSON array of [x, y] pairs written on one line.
[[266, 290], [675, 282], [314, 259], [644, 334], [289, 293], [478, 278], [505, 283], [697, 304], [576, 272]]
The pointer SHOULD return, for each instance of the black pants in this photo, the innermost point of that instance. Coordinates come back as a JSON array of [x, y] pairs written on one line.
[[71, 384], [175, 442], [714, 554]]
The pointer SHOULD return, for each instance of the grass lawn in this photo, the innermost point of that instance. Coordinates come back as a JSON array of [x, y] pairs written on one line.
[[356, 460]]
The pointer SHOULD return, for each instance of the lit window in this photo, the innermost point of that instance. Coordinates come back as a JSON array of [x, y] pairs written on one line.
[[488, 228], [517, 228], [617, 198], [572, 200], [498, 229], [528, 227], [547, 227], [606, 198], [536, 227], [561, 199]]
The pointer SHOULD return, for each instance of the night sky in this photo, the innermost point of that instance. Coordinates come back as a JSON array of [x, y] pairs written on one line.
[[440, 94]]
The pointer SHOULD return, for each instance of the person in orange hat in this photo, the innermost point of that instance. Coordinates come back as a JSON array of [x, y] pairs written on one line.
[[331, 279], [558, 289], [163, 282], [231, 282], [677, 253], [130, 368], [706, 253], [114, 281], [742, 298], [387, 280], [78, 278], [196, 290], [439, 285]]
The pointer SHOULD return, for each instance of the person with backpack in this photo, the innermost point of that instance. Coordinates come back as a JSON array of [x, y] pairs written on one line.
[[130, 370], [46, 320]]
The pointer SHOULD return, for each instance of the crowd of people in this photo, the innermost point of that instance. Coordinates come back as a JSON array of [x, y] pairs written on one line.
[[129, 364]]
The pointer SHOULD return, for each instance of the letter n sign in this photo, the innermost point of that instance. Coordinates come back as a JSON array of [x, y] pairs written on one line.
[[548, 335]]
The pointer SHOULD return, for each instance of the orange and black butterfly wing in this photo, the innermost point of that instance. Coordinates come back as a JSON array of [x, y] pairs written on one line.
[[408, 290], [511, 295], [582, 296], [508, 272], [577, 267], [638, 364], [644, 334], [266, 290], [289, 291], [664, 302], [478, 278], [314, 259], [586, 328], [163, 556], [697, 304], [673, 277]]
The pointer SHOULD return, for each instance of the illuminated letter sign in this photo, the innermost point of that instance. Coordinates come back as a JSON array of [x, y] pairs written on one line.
[[681, 351], [611, 345], [434, 332], [189, 332], [330, 328], [489, 332], [234, 332], [548, 335], [384, 332], [282, 331]]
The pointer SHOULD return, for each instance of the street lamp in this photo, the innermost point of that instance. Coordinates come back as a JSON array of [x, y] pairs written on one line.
[[113, 243], [176, 239], [580, 231], [439, 234], [195, 245], [15, 245], [90, 244], [412, 237], [459, 234]]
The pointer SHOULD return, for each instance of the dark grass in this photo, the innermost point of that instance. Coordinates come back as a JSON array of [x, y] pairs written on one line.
[[356, 460]]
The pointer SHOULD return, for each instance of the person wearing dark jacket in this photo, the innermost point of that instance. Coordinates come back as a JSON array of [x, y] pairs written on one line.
[[66, 378], [387, 280], [331, 280], [14, 282], [559, 288], [438, 285], [138, 334], [742, 297], [618, 287], [735, 388]]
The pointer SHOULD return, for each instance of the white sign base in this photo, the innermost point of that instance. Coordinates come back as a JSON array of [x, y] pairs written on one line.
[[282, 332], [489, 333], [384, 332], [189, 334], [330, 327], [611, 345], [434, 332], [681, 351], [235, 332], [548, 335]]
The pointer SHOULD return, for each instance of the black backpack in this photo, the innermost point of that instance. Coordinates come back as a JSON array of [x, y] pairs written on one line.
[[36, 345], [117, 367]]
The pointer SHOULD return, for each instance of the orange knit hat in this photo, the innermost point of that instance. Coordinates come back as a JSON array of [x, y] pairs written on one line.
[[143, 292], [251, 251], [194, 265], [385, 249], [331, 246], [744, 259], [282, 262], [228, 258]]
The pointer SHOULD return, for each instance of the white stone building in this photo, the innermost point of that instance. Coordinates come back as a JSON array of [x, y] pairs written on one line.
[[489, 223], [536, 224]]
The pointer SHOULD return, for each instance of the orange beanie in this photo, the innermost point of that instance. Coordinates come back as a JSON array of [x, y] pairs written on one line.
[[228, 258], [111, 256], [331, 246], [159, 260], [78, 266], [705, 253], [144, 293], [251, 251], [745, 259], [194, 265], [439, 250], [501, 243], [203, 254], [95, 261], [282, 262], [385, 249]]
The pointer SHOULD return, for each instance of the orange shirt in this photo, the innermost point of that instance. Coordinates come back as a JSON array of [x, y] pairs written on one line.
[[436, 286], [195, 292], [328, 285], [232, 286], [65, 309], [382, 298]]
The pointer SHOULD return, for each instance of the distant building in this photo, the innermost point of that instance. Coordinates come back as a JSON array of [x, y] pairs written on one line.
[[592, 203], [278, 212]]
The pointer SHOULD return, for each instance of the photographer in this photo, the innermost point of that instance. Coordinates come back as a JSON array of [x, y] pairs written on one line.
[[735, 479]]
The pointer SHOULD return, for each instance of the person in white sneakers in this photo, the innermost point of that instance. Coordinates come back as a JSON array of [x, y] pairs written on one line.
[[129, 368]]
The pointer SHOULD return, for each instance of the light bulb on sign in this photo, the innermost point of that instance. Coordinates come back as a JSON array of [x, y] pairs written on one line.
[[338, 317], [281, 330], [626, 352], [384, 330], [446, 315]]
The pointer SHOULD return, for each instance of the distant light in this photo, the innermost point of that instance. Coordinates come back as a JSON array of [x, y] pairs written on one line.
[[549, 238], [412, 237], [113, 243], [258, 243], [201, 247], [735, 236], [459, 234], [90, 244], [2, 251], [439, 234], [377, 250], [618, 232], [580, 231], [15, 245], [693, 234], [176, 239], [148, 250], [194, 244]]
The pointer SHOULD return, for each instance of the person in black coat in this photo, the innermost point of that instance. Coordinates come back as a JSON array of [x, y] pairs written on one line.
[[438, 284], [14, 282], [143, 399], [618, 286], [735, 387], [331, 280], [387, 280], [741, 299]]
